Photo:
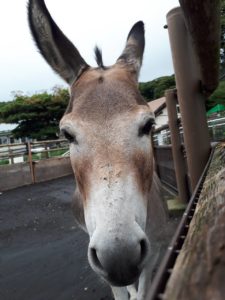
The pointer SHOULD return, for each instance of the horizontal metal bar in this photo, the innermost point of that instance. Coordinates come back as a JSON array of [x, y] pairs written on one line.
[[48, 142], [49, 150], [170, 186], [156, 130], [12, 145]]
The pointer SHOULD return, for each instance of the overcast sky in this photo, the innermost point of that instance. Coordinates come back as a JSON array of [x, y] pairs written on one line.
[[86, 23]]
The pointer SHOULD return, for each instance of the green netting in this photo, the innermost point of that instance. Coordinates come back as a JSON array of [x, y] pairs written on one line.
[[217, 108]]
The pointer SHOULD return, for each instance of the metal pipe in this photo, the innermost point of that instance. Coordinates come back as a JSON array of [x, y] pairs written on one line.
[[202, 19], [190, 97], [178, 157]]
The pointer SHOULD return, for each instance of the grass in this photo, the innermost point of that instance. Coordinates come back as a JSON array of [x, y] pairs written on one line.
[[38, 156], [4, 162], [44, 155], [57, 153]]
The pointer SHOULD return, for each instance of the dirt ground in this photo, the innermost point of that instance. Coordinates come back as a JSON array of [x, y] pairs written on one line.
[[43, 254]]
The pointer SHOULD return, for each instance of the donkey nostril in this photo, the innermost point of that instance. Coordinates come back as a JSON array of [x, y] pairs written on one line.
[[95, 259], [144, 250]]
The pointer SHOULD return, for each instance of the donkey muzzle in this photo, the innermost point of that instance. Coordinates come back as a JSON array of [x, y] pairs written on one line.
[[119, 258]]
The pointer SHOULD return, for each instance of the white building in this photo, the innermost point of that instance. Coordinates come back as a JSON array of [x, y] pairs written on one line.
[[6, 136], [159, 108]]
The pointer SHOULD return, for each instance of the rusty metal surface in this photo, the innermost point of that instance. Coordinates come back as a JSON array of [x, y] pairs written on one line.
[[177, 151], [190, 98], [158, 286], [203, 23], [199, 271]]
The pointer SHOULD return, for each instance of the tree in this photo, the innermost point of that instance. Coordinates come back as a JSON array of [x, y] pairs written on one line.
[[2, 105], [222, 47], [37, 116], [156, 88]]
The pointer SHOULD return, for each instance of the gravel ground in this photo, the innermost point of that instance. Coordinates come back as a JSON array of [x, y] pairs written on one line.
[[43, 254]]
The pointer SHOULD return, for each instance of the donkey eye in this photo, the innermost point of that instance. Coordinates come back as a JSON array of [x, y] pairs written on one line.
[[71, 138], [146, 128]]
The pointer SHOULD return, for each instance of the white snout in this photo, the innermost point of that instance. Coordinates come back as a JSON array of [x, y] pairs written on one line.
[[115, 216], [119, 257]]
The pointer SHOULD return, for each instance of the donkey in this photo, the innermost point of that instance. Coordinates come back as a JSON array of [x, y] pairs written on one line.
[[108, 123]]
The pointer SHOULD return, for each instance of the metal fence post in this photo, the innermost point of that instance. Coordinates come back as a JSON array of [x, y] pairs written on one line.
[[190, 97], [46, 151], [178, 157], [30, 160], [11, 157]]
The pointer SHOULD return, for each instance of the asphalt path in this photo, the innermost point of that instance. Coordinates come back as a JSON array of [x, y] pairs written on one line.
[[43, 254]]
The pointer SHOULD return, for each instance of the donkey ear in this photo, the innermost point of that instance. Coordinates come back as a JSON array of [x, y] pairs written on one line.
[[55, 47], [133, 53]]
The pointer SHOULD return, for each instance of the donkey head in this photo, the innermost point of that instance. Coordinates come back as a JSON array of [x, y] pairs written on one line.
[[107, 123]]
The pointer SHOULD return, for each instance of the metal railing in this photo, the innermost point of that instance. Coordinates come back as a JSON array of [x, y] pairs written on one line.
[[161, 135], [217, 129], [165, 165], [162, 276]]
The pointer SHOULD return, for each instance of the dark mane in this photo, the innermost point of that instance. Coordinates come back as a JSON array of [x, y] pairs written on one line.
[[98, 57]]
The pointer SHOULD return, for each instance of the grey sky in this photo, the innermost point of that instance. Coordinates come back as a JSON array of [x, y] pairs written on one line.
[[86, 23]]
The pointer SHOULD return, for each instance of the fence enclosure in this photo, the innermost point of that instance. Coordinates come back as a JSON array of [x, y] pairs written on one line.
[[27, 163], [196, 266]]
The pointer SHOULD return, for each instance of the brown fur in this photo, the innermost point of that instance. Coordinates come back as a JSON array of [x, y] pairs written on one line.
[[97, 98], [98, 93], [82, 169], [143, 169]]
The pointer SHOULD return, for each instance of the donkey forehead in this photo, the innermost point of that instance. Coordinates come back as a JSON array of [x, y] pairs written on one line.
[[104, 94]]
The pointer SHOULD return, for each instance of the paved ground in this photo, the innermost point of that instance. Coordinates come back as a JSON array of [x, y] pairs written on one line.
[[42, 251]]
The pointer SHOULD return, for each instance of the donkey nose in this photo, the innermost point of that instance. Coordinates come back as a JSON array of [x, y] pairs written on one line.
[[120, 261]]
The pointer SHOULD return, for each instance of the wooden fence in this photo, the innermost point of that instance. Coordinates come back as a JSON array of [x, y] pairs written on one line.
[[27, 163], [32, 151]]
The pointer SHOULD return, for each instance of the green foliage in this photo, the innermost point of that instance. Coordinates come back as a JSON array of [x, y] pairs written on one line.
[[56, 153], [218, 96], [4, 162], [37, 116], [222, 47], [156, 88], [44, 155], [2, 105]]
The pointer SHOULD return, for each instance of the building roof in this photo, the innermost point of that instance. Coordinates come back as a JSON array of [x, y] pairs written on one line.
[[7, 127], [157, 105]]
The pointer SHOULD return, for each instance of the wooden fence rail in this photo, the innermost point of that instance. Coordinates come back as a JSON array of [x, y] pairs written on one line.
[[27, 163], [32, 151]]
